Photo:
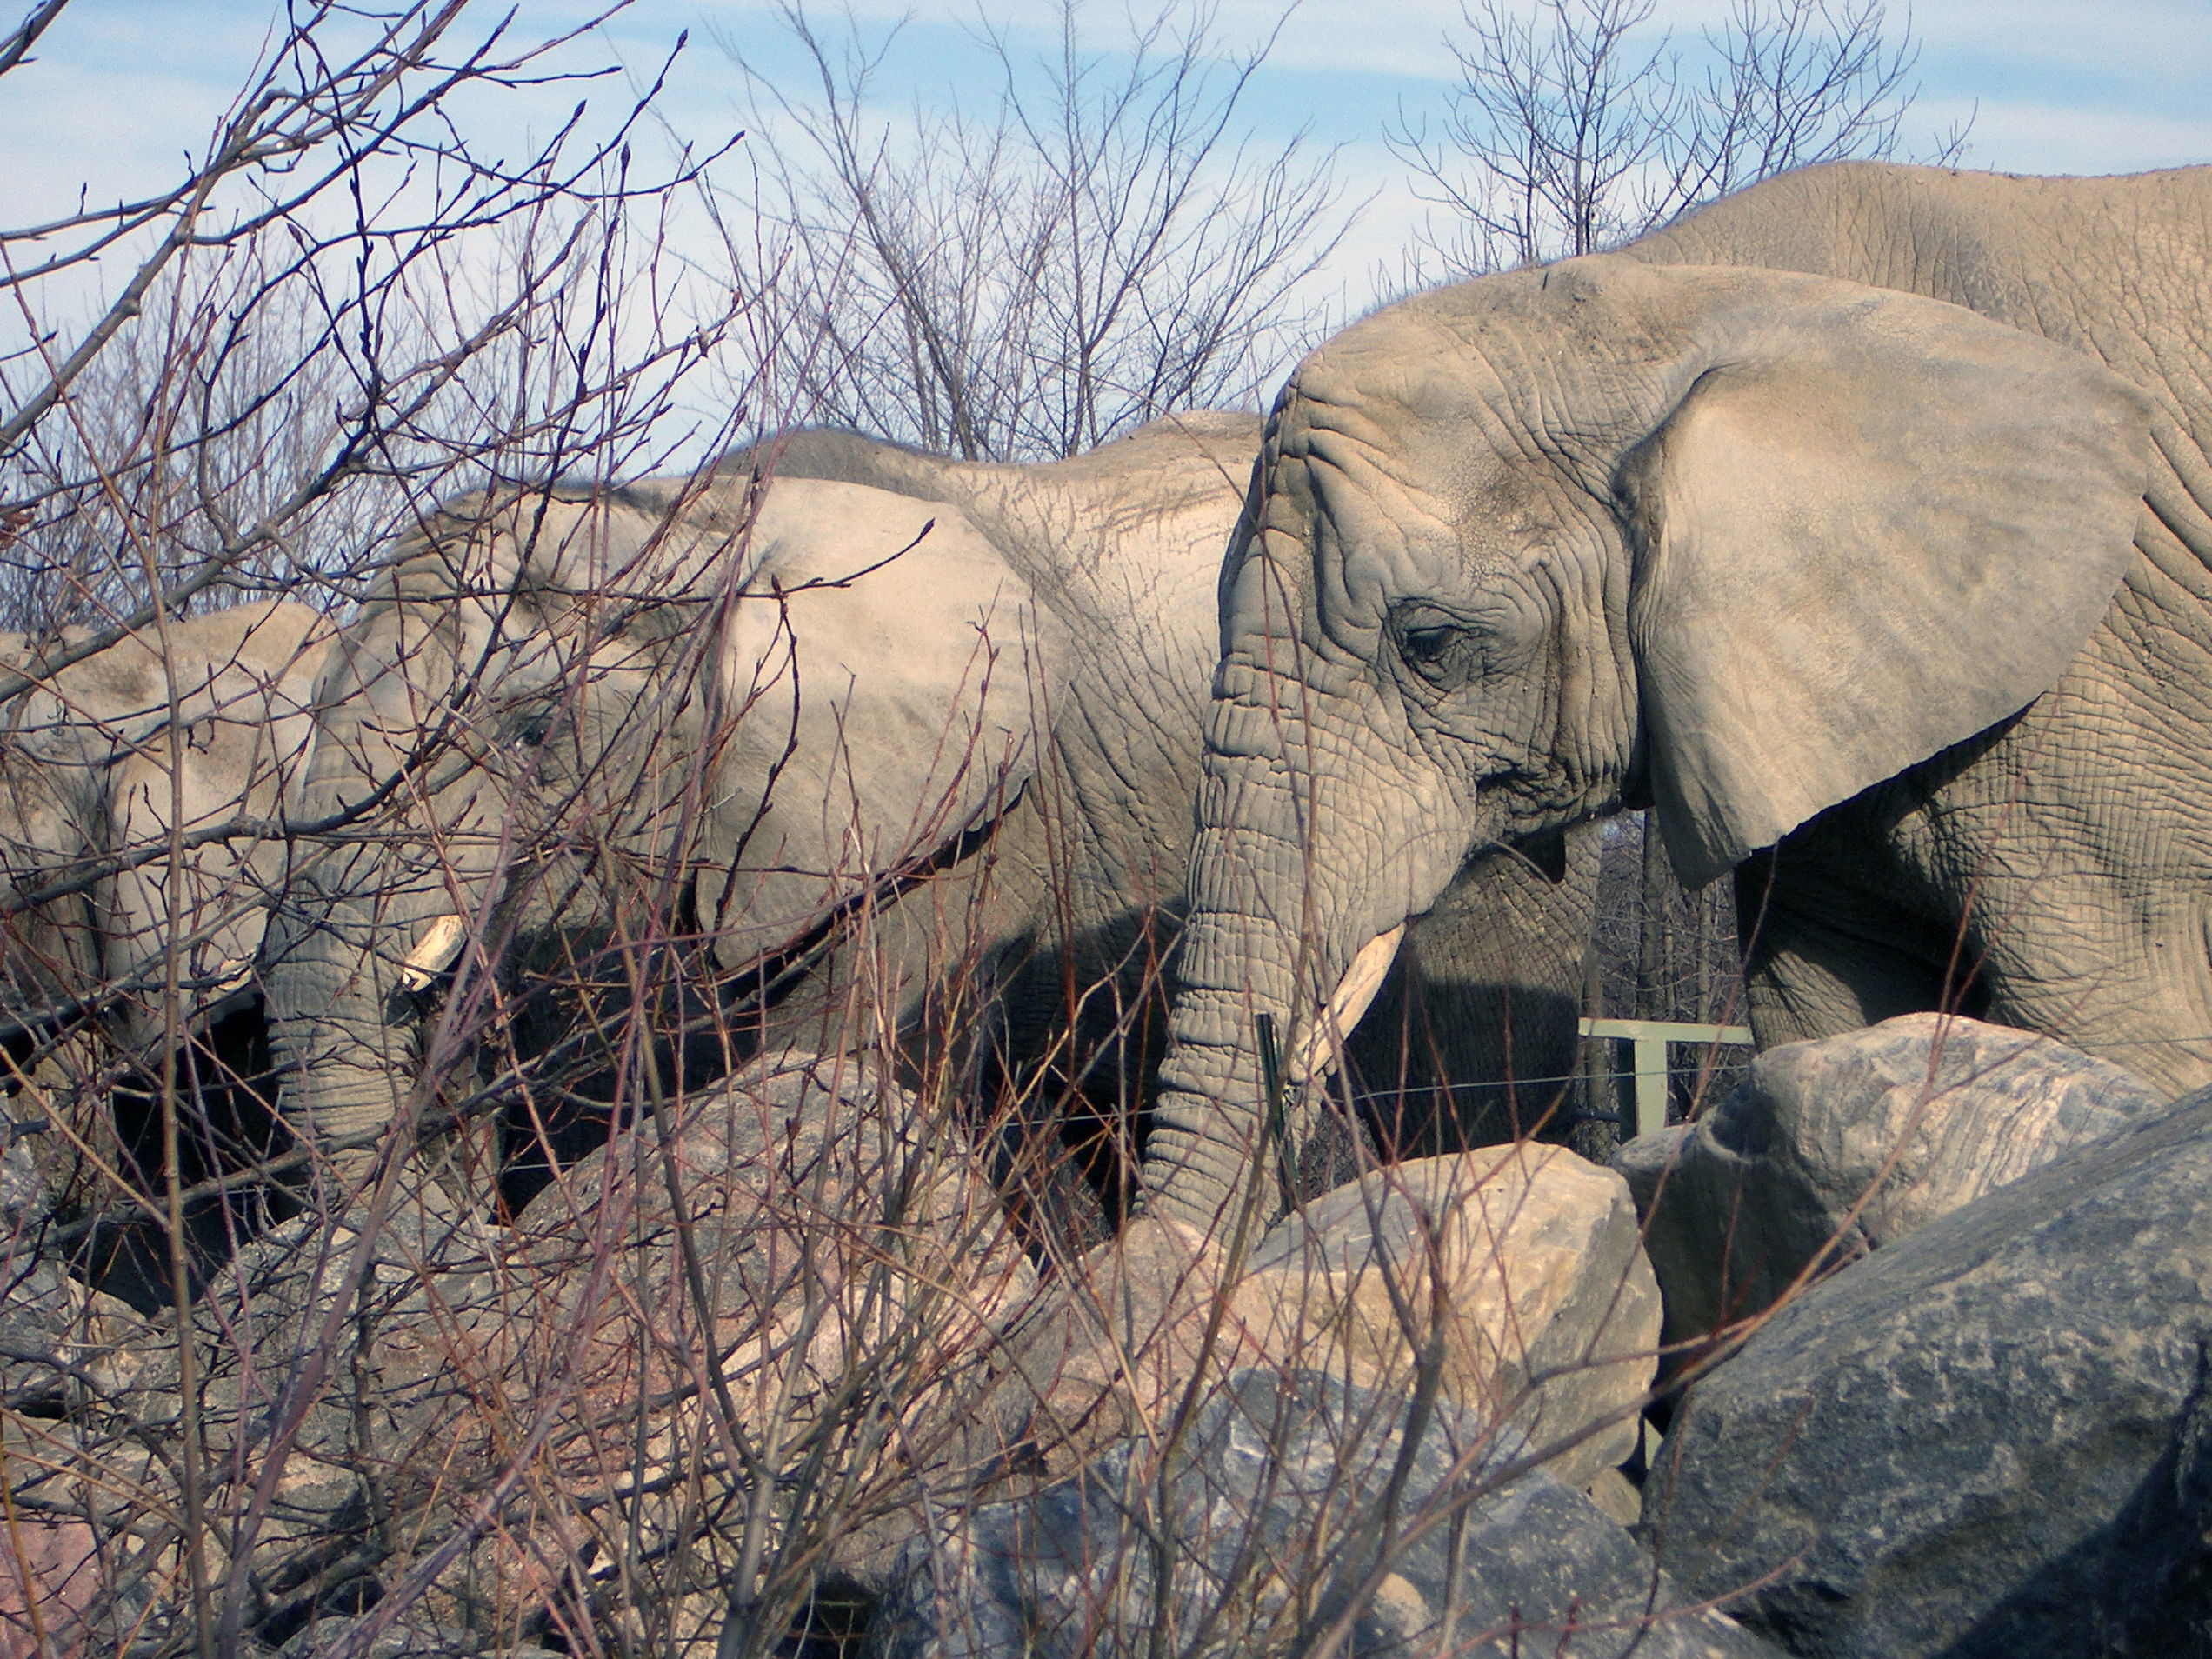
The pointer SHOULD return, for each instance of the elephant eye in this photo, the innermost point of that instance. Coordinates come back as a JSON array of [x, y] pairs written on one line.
[[1427, 644], [1432, 646]]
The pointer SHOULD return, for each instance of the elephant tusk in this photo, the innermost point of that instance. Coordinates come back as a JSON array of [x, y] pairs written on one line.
[[1354, 995], [434, 953], [232, 974]]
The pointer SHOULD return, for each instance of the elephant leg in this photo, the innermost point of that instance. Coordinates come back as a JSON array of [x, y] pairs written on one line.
[[1829, 944]]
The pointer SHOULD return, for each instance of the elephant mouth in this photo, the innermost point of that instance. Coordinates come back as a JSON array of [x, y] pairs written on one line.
[[435, 952], [1319, 1047]]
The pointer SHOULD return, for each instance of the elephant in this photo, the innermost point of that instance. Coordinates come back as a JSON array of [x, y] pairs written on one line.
[[95, 895], [891, 746], [1474, 1034], [1855, 524]]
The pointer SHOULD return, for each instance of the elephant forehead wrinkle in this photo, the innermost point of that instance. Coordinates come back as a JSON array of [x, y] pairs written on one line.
[[1370, 540], [1362, 442]]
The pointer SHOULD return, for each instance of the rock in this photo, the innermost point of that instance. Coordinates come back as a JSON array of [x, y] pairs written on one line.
[[1990, 1438], [852, 1260], [1271, 1509], [1112, 1346], [1543, 1288], [71, 1572], [1619, 1498], [90, 1540], [387, 1404], [1836, 1148], [24, 1200], [95, 1538], [54, 1567], [823, 1214], [64, 1347], [402, 1639], [853, 1252]]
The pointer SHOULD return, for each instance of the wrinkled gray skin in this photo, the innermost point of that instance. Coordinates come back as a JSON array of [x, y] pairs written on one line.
[[1036, 666], [1899, 610], [86, 785], [85, 777], [1474, 1035]]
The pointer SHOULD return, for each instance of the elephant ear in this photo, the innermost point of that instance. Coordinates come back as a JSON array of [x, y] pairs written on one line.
[[884, 678], [1871, 526]]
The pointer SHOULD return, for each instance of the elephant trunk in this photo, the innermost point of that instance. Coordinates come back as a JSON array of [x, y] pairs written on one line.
[[348, 957], [1296, 909], [1209, 1151], [329, 1036], [367, 918]]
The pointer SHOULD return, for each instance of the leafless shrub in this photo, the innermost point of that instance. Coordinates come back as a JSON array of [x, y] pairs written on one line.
[[1573, 128], [1099, 250], [337, 303], [338, 313]]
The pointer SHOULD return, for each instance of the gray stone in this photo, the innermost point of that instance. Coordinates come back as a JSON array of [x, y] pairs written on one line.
[[1840, 1147], [1621, 1498], [1550, 1314], [359, 1409], [1284, 1511], [835, 1237], [840, 1234], [401, 1639], [24, 1200], [64, 1347], [89, 1554], [1988, 1439], [86, 1543], [1110, 1346], [795, 1175]]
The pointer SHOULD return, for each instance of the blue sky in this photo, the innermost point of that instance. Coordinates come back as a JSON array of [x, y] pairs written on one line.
[[122, 88]]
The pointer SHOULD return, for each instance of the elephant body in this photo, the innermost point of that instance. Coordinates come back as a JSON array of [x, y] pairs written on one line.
[[1473, 1037], [87, 767], [903, 747], [1857, 522], [2054, 871]]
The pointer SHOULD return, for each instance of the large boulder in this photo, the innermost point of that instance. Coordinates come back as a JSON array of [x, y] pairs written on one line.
[[24, 1200], [355, 1381], [1112, 1346], [91, 1547], [368, 1385], [1290, 1509], [63, 1348], [1520, 1262], [1835, 1148], [92, 1552], [859, 1266], [1990, 1438], [401, 1639]]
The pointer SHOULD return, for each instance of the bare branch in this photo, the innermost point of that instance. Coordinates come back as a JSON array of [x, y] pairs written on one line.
[[1577, 126], [1103, 248]]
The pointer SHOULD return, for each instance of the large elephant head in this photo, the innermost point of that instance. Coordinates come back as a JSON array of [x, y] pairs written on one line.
[[580, 715], [1737, 543]]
